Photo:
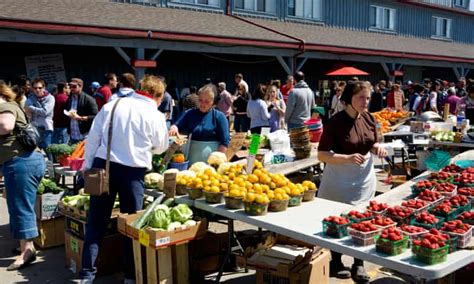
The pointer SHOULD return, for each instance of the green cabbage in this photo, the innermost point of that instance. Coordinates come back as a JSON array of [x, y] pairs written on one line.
[[160, 217], [181, 213]]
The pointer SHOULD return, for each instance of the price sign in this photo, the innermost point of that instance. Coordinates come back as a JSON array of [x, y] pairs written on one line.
[[162, 241], [235, 144], [254, 144], [143, 238]]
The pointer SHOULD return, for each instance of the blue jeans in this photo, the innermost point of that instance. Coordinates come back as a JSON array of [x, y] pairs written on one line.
[[22, 176], [128, 183], [60, 136], [241, 123], [46, 139]]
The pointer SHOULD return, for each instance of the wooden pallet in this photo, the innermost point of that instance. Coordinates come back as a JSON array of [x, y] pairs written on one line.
[[165, 265]]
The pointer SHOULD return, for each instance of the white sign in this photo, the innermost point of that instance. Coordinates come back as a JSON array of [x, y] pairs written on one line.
[[49, 67]]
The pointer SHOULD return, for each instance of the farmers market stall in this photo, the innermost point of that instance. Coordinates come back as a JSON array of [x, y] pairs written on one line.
[[304, 223]]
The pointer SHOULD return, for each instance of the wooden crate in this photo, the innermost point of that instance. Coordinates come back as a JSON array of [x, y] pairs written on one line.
[[165, 265]]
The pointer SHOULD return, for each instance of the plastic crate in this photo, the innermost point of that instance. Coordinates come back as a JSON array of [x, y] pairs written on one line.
[[447, 194], [356, 220], [335, 230], [463, 240], [432, 203], [428, 226], [431, 256], [363, 238], [465, 208], [391, 247], [375, 213], [467, 221], [414, 236], [402, 220], [386, 227], [446, 216], [415, 191]]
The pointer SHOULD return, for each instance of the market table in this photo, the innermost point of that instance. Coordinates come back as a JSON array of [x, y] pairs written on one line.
[[294, 166], [305, 223]]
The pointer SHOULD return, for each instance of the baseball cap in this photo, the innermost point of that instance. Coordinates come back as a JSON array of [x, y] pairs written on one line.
[[77, 81], [95, 85], [319, 110]]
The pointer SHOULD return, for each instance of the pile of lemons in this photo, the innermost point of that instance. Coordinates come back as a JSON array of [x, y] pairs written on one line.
[[258, 187]]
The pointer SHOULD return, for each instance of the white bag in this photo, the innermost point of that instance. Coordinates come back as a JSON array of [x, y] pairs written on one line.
[[280, 142]]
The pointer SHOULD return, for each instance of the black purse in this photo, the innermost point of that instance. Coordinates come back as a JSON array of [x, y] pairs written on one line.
[[28, 135]]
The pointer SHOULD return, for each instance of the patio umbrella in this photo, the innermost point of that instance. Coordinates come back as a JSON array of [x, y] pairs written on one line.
[[347, 71]]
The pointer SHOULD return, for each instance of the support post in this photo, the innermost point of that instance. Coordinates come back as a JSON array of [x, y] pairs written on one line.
[[139, 71], [285, 65], [123, 54], [301, 64]]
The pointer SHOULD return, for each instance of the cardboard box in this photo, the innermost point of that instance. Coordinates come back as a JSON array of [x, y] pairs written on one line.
[[46, 206], [316, 271], [108, 261], [78, 227], [158, 239], [51, 233]]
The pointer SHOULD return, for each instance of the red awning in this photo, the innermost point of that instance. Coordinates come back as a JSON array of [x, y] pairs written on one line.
[[347, 71]]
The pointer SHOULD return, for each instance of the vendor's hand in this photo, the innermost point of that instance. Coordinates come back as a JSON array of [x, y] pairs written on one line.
[[173, 130], [357, 158], [381, 152]]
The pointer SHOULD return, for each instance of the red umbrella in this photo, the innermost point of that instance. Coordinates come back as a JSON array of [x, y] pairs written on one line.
[[347, 71]]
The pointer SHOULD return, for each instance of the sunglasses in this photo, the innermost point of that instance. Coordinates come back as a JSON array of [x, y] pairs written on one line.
[[38, 88], [73, 86]]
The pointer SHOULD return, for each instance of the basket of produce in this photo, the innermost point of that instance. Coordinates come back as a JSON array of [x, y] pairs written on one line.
[[60, 152], [432, 197], [413, 232], [400, 214], [462, 231], [256, 204], [335, 226], [377, 208], [441, 177], [356, 216], [295, 200], [445, 210], [416, 204], [383, 222], [310, 190], [232, 202], [392, 242], [363, 233], [278, 205], [430, 250], [446, 188], [214, 196], [421, 185], [466, 178], [195, 193], [427, 220], [466, 217]]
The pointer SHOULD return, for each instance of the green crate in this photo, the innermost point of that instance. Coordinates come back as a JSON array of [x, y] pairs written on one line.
[[355, 220], [428, 226], [465, 208], [447, 216], [335, 230], [391, 248], [415, 191], [430, 256]]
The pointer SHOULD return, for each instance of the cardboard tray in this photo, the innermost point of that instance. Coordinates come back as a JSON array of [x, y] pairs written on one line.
[[159, 239]]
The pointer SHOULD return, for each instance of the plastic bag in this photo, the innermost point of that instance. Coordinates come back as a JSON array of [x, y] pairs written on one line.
[[280, 142]]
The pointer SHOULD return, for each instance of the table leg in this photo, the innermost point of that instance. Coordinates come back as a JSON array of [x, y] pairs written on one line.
[[230, 232]]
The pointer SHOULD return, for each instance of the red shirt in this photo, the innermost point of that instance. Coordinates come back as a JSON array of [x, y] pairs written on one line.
[[59, 119], [285, 91], [102, 96]]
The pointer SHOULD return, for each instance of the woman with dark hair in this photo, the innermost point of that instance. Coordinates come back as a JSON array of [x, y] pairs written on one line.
[[239, 106], [346, 145], [22, 171], [257, 110]]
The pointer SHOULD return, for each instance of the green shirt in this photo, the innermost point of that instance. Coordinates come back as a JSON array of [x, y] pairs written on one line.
[[9, 145]]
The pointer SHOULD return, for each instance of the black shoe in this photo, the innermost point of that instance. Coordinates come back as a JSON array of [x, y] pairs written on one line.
[[16, 251], [29, 260], [338, 270], [359, 275]]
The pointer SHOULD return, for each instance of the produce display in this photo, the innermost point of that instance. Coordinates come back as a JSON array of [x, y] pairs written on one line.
[[165, 217], [455, 226], [357, 216], [432, 240], [374, 206], [382, 221], [79, 202], [467, 191], [466, 177], [426, 218], [431, 196], [388, 117], [392, 242], [441, 176], [48, 186], [336, 226], [415, 203], [445, 188], [458, 200], [443, 135], [467, 217]]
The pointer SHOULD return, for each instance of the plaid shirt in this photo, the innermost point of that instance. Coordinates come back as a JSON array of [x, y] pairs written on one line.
[[75, 132]]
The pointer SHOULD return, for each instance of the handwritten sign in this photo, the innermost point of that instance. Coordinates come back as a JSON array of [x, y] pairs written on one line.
[[169, 185], [235, 144]]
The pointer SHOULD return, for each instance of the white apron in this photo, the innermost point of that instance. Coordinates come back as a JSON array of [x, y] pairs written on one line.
[[349, 183]]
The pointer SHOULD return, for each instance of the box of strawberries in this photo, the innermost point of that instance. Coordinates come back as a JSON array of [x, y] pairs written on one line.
[[391, 241]]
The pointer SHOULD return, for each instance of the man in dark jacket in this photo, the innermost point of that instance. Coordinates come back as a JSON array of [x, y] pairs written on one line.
[[82, 110], [300, 102]]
